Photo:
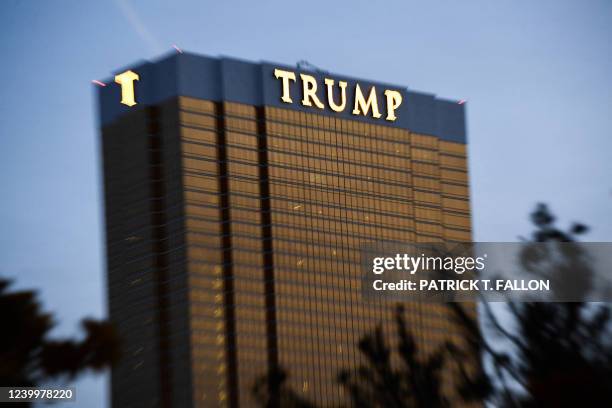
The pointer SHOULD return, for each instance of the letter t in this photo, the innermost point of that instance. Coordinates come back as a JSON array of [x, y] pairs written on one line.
[[126, 80], [286, 76]]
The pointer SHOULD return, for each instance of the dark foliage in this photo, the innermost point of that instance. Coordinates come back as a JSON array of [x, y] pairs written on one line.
[[28, 357], [272, 391], [561, 353], [417, 383]]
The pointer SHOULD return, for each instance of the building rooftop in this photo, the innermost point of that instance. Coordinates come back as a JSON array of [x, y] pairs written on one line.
[[235, 80]]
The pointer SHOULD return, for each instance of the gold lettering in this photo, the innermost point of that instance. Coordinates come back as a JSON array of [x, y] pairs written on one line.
[[126, 80], [394, 100], [286, 76], [309, 85], [330, 95], [362, 106]]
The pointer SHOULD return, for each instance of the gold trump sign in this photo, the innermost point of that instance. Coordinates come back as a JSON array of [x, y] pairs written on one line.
[[363, 105], [126, 81]]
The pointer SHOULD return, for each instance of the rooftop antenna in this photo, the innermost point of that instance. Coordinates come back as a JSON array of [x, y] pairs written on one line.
[[303, 64]]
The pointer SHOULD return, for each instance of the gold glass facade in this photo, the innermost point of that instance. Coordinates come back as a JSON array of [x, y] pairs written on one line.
[[234, 245]]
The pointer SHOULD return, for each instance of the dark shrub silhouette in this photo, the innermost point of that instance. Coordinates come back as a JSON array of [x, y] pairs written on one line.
[[560, 353], [28, 357]]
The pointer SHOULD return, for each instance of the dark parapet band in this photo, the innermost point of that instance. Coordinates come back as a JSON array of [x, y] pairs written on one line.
[[234, 80]]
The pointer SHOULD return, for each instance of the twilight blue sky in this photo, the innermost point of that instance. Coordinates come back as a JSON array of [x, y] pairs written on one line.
[[537, 77]]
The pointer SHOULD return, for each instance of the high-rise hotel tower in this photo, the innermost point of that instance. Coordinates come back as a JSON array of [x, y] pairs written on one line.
[[237, 197]]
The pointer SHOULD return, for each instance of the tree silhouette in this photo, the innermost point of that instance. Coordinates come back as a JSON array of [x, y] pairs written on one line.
[[271, 390], [417, 383], [561, 353], [28, 357]]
